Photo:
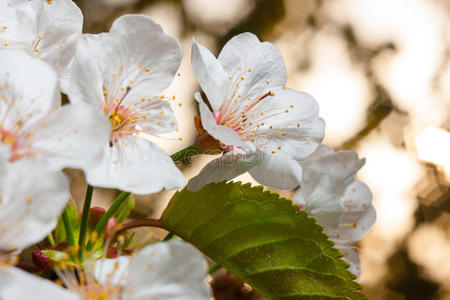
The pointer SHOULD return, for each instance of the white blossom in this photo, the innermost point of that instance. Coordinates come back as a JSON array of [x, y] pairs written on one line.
[[260, 123], [121, 74], [341, 204], [35, 126]]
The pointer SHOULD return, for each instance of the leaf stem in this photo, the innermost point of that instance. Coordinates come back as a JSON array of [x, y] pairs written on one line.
[[84, 220], [214, 268], [104, 219], [185, 153], [50, 239], [68, 228]]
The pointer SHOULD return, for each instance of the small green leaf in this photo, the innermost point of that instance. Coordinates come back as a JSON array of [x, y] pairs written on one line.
[[55, 255], [125, 209], [60, 232], [265, 240]]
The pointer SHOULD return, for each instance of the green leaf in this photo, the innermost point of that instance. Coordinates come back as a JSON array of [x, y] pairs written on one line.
[[125, 209], [60, 232], [262, 238]]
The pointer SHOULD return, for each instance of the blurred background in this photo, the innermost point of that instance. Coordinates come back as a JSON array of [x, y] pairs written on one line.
[[380, 70]]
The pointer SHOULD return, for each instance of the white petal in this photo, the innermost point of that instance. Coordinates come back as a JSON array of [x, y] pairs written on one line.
[[172, 270], [227, 167], [86, 84], [16, 284], [155, 117], [351, 256], [245, 52], [29, 87], [340, 167], [210, 74], [277, 171], [112, 271], [135, 165], [290, 121], [32, 200], [321, 151], [359, 215], [73, 136], [222, 133], [326, 208], [146, 57]]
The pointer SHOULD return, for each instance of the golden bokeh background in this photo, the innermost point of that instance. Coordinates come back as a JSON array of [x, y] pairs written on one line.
[[380, 70]]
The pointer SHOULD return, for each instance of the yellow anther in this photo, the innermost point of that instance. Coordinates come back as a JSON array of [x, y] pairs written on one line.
[[249, 70], [143, 100], [284, 87], [131, 81], [6, 44], [147, 70], [180, 139], [283, 133], [173, 97], [178, 74], [239, 68], [270, 126], [298, 124], [273, 152], [5, 27], [279, 147], [180, 104], [267, 82], [139, 66], [231, 78], [35, 50], [159, 122], [286, 111], [161, 112], [291, 106], [230, 113], [242, 78], [149, 99]]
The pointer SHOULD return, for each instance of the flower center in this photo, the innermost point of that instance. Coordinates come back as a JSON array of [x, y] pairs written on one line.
[[244, 110], [16, 141], [120, 116]]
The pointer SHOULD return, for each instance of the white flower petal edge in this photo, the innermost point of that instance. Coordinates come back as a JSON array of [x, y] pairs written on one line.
[[172, 270], [45, 29], [224, 168], [252, 110], [30, 205], [341, 204], [137, 165], [16, 284], [121, 73], [33, 123]]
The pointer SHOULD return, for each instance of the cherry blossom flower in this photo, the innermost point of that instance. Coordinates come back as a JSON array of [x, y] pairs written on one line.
[[172, 270], [46, 29], [121, 73], [29, 210], [341, 204], [35, 126], [260, 123]]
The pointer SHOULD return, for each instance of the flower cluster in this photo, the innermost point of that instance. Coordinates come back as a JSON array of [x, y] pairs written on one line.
[[113, 82]]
